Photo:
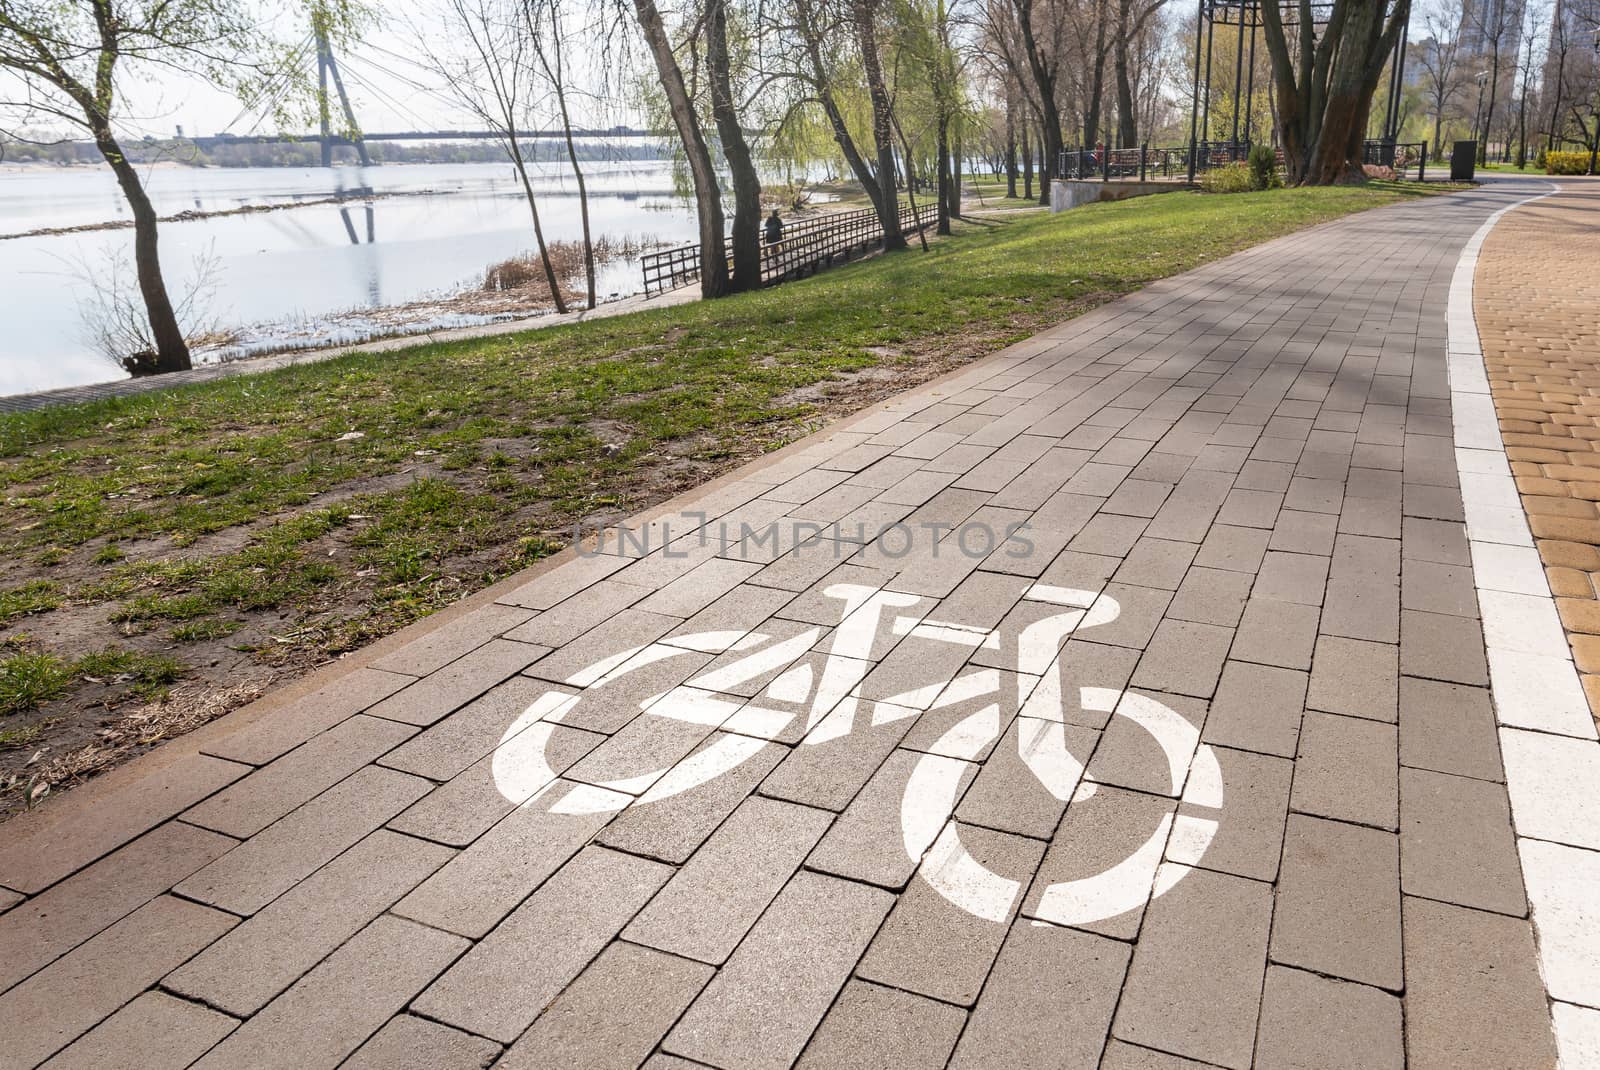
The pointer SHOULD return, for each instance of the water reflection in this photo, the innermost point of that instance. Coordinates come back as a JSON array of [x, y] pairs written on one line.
[[283, 272]]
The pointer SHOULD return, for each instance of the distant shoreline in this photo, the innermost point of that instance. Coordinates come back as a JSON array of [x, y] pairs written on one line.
[[192, 214]]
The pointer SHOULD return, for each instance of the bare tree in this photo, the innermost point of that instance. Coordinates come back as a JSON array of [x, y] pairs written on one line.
[[484, 51], [1491, 22], [741, 164], [67, 60], [864, 13], [1325, 87], [1439, 57], [714, 281], [1532, 35], [547, 33]]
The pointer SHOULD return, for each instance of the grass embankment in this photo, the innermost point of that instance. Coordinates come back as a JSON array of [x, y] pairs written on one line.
[[214, 538]]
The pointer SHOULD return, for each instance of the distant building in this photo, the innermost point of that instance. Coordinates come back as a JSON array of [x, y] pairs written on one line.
[[1486, 21]]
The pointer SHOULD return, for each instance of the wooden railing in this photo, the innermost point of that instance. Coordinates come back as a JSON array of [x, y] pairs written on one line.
[[807, 246]]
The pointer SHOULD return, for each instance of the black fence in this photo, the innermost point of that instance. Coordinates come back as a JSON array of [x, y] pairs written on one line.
[[807, 246], [1147, 163]]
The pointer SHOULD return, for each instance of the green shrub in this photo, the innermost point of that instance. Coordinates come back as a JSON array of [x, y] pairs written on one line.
[[1539, 160], [1263, 164], [1566, 163], [1234, 178]]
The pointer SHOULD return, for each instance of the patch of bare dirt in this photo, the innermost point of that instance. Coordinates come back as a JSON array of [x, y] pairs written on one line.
[[98, 726]]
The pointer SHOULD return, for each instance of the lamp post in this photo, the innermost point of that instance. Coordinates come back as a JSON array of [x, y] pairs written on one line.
[[1477, 116]]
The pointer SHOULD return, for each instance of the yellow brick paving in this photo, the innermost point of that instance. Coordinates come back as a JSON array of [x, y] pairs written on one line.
[[1537, 302]]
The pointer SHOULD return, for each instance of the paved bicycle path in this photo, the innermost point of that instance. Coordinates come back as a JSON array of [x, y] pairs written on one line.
[[1153, 732]]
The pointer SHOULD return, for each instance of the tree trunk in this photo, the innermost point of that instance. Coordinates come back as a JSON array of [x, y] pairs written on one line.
[[746, 183], [1044, 78], [1097, 82], [943, 191], [1127, 117], [707, 194], [521, 165], [1011, 146], [955, 180], [888, 203], [1488, 112], [172, 352], [1027, 162], [830, 107], [583, 196]]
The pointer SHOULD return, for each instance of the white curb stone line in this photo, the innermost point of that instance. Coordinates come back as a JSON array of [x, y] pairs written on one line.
[[1547, 735]]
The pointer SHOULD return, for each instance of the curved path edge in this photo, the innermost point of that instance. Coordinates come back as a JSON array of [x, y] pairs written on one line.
[[1547, 734]]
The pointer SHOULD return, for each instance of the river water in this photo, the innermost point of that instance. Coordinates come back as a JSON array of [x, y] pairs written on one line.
[[300, 275]]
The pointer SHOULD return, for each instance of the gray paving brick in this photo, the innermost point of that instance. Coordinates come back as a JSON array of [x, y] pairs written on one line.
[[613, 1014], [1442, 647], [453, 744], [1211, 596], [1276, 633], [54, 922], [1129, 756], [1286, 577], [671, 826], [245, 969], [565, 580], [714, 899], [1435, 588], [1184, 658], [1109, 534], [571, 617], [251, 804], [1321, 1022], [256, 872], [36, 850], [839, 754], [1257, 708], [1448, 728], [1456, 842], [407, 1040], [629, 630], [439, 646], [875, 1028], [1101, 829], [760, 1010], [313, 714], [1008, 795], [499, 987], [1363, 597], [482, 884], [1348, 770], [1440, 541], [1303, 533], [1236, 549], [458, 683], [1356, 678], [1338, 902], [65, 999], [934, 947], [463, 808], [1158, 563], [155, 1030], [1048, 1000], [867, 842], [1248, 836], [333, 1009], [1473, 993], [1208, 934], [1121, 1056]]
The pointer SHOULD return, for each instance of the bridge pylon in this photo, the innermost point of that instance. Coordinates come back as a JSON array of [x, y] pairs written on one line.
[[327, 65]]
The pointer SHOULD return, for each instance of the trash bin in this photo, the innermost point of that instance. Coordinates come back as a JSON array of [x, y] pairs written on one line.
[[1463, 161]]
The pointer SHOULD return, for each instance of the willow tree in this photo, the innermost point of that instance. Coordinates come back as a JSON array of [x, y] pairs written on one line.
[[69, 61], [1326, 81]]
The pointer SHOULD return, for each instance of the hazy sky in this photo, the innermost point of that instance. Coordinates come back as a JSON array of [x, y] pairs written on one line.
[[388, 88]]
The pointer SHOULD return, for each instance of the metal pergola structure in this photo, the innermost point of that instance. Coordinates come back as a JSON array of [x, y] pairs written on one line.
[[1245, 15]]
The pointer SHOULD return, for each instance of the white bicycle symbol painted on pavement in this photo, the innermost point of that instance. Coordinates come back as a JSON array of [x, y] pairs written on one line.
[[831, 703]]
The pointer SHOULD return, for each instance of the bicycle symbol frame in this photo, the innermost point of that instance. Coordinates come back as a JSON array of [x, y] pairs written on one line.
[[831, 703]]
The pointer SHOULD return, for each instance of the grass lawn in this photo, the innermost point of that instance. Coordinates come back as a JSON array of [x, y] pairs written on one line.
[[198, 544], [1511, 168]]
